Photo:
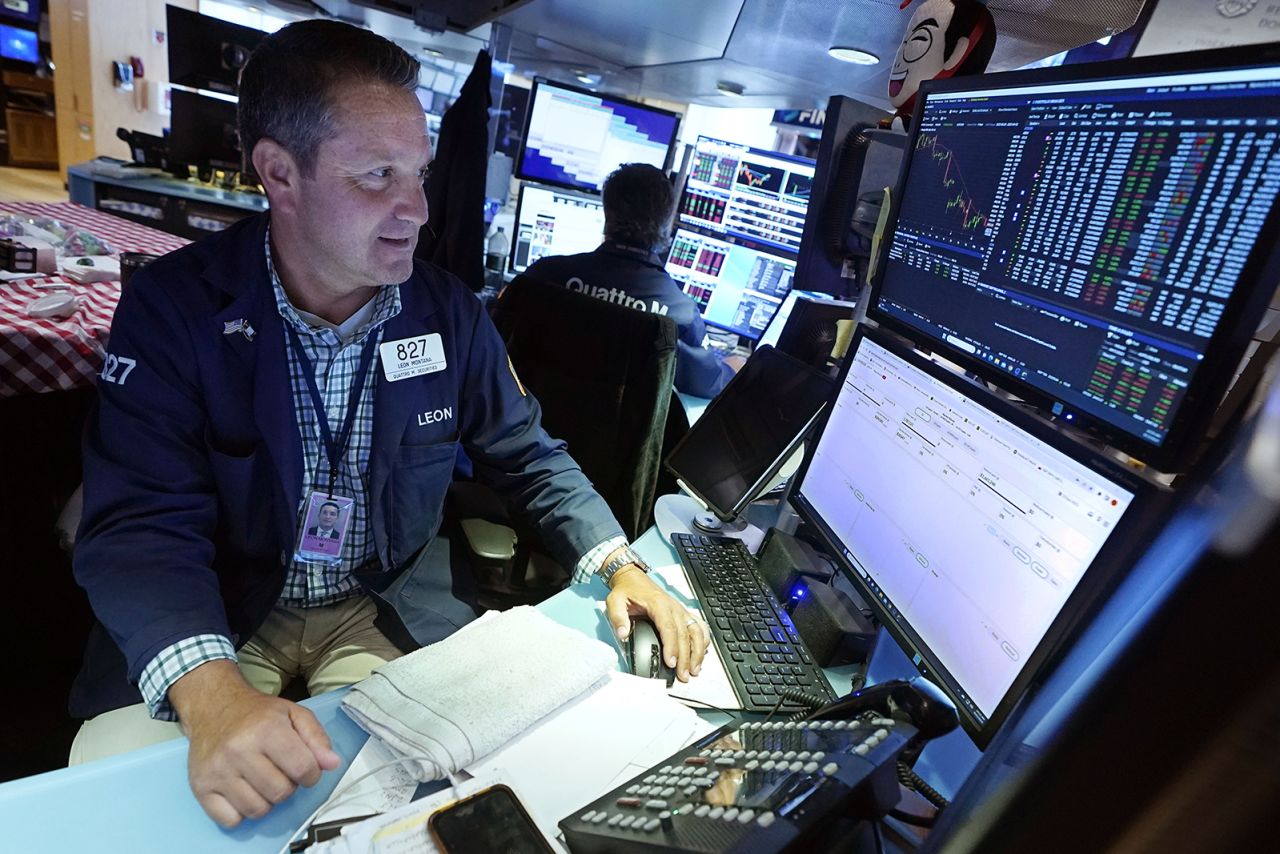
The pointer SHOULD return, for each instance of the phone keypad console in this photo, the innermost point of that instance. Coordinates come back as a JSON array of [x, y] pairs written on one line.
[[759, 787]]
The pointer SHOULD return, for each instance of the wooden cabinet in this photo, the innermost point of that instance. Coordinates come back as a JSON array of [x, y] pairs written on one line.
[[33, 139], [30, 129]]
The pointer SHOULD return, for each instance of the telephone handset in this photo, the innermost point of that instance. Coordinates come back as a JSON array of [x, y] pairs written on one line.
[[916, 701]]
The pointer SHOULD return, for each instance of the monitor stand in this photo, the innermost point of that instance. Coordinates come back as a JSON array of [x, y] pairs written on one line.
[[679, 514], [709, 523]]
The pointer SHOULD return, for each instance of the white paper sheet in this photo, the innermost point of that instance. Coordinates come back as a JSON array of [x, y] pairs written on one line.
[[572, 757]]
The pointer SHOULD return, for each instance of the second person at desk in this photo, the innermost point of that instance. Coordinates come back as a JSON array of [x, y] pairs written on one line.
[[626, 270], [293, 377]]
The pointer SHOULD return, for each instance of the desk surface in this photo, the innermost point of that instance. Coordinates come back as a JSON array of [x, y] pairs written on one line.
[[140, 801], [172, 187], [59, 354]]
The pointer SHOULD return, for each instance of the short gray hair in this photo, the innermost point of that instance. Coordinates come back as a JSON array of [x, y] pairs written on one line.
[[638, 202], [287, 87]]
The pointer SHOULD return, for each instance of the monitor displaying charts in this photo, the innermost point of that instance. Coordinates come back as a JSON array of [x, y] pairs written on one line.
[[739, 221], [747, 193], [1101, 239]]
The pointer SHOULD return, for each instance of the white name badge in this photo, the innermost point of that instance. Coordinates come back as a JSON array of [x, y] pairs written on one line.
[[411, 357]]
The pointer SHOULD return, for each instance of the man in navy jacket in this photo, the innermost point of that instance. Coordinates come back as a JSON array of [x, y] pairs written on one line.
[[259, 374], [626, 270]]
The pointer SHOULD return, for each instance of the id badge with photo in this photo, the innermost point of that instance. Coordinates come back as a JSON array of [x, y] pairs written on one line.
[[324, 528]]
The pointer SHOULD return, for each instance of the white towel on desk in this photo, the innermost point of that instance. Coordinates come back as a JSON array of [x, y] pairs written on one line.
[[464, 697]]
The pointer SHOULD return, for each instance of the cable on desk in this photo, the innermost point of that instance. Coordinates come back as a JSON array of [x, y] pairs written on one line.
[[735, 714], [809, 702], [875, 830], [916, 783]]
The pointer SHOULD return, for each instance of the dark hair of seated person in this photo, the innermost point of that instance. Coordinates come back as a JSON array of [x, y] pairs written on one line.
[[279, 95], [638, 201]]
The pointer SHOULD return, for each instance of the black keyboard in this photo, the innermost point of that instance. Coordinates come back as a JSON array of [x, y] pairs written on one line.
[[755, 637]]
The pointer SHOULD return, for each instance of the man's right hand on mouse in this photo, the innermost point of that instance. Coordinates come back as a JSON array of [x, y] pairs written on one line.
[[249, 750]]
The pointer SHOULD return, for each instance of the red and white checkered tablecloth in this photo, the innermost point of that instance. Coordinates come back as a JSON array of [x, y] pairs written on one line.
[[57, 354]]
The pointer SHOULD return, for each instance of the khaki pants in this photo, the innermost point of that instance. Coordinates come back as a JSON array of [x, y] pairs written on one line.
[[330, 646]]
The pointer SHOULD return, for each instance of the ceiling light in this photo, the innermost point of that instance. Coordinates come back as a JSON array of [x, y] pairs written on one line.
[[586, 78], [430, 51], [854, 55], [728, 87]]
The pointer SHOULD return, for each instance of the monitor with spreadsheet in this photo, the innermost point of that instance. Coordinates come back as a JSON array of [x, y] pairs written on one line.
[[554, 222], [978, 533], [575, 137], [1100, 239], [739, 221]]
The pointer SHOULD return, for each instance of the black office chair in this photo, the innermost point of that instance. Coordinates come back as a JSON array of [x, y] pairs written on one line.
[[603, 376]]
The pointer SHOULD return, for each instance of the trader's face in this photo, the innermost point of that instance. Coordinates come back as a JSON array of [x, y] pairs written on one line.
[[361, 210], [328, 516], [922, 54]]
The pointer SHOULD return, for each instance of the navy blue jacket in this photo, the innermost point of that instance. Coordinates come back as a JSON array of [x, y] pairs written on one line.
[[193, 462], [632, 277]]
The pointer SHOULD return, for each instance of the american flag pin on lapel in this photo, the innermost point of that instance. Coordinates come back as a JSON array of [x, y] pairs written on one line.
[[230, 327]]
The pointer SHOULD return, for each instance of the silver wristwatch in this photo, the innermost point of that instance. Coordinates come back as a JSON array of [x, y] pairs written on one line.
[[626, 557]]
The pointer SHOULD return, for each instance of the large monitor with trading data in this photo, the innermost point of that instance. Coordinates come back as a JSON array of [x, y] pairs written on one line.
[[979, 534], [747, 193], [574, 137], [554, 222], [739, 221], [1100, 239], [736, 286]]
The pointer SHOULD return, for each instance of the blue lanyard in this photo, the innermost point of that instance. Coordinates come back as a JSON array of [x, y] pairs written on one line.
[[334, 447]]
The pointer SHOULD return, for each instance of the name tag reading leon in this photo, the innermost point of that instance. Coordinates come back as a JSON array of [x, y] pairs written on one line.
[[411, 357]]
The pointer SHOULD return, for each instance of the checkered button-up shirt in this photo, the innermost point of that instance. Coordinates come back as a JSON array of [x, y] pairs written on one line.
[[334, 355]]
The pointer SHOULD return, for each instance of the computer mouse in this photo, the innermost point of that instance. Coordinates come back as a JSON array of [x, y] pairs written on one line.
[[644, 652]]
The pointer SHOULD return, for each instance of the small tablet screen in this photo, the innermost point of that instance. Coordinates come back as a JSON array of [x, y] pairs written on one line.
[[748, 431]]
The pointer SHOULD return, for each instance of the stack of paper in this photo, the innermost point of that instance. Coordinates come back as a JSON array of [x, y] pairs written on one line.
[[561, 763]]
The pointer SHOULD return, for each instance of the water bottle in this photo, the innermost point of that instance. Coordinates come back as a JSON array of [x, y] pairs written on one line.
[[496, 252]]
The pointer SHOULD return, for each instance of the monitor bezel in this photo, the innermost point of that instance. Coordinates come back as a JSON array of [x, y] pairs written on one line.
[[538, 82], [751, 494], [515, 223], [1105, 571], [1244, 309]]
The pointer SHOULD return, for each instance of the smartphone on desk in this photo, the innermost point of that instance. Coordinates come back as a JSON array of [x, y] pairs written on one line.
[[492, 819]]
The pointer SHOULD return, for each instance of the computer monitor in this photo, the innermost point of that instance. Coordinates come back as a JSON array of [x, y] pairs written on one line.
[[979, 534], [748, 431], [736, 286], [748, 193], [207, 52], [1101, 238], [25, 13], [19, 44], [202, 132], [554, 222], [574, 138]]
